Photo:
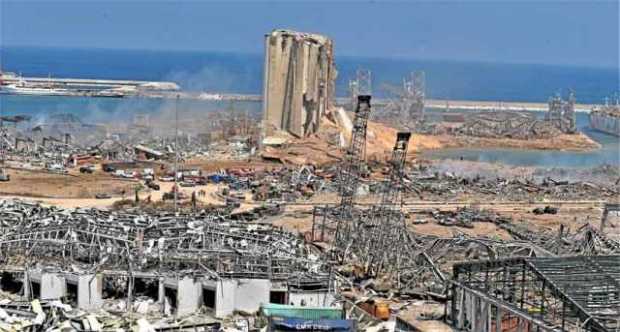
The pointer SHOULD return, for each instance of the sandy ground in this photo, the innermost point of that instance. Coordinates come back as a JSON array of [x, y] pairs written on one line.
[[73, 185], [209, 198]]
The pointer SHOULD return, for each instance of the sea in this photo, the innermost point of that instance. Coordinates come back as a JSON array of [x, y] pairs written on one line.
[[242, 73]]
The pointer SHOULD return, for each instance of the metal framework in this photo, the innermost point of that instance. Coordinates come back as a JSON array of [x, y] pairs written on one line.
[[197, 244], [561, 113], [580, 293], [352, 166], [413, 98], [406, 104], [385, 226], [361, 85]]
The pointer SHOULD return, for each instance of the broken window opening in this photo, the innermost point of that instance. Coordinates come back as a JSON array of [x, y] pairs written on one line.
[[278, 297], [114, 287], [35, 290], [208, 298], [171, 296], [72, 294], [9, 283], [146, 287]]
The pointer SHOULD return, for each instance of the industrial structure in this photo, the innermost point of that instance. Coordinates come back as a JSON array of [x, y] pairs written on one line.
[[407, 102], [361, 85], [580, 293], [298, 82], [561, 113], [181, 262], [606, 118]]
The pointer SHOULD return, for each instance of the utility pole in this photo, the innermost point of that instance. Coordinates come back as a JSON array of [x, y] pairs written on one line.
[[176, 152]]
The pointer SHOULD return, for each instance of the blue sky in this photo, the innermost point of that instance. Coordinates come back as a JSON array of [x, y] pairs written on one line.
[[548, 32]]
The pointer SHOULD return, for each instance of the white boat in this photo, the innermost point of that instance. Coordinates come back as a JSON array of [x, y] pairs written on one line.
[[22, 88]]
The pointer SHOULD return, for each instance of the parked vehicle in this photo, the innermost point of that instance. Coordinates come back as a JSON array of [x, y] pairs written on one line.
[[152, 185], [4, 177], [87, 169]]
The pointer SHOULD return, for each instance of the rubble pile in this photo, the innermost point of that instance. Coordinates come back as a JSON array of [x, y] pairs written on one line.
[[519, 125], [430, 259], [449, 186], [64, 141]]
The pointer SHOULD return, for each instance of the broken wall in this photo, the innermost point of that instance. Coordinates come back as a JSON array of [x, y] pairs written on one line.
[[298, 83]]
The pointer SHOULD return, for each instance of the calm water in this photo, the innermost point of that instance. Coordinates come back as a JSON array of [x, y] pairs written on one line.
[[242, 73], [609, 154]]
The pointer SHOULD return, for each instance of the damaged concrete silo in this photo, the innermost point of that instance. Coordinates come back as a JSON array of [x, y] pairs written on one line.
[[299, 81]]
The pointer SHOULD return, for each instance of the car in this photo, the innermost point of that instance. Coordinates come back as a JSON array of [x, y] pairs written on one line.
[[108, 169], [87, 169], [170, 196], [102, 196], [4, 177], [152, 185]]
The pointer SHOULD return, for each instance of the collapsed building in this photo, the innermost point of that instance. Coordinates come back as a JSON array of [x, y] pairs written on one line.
[[181, 263], [298, 82]]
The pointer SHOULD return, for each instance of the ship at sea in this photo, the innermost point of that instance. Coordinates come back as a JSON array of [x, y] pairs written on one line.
[[606, 118], [22, 88], [13, 84]]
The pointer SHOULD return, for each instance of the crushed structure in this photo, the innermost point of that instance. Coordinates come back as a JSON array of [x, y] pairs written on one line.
[[299, 82], [98, 259]]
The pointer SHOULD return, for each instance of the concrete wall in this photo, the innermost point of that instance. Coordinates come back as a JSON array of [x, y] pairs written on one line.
[[189, 295], [250, 293], [299, 81], [224, 296], [53, 286], [89, 288]]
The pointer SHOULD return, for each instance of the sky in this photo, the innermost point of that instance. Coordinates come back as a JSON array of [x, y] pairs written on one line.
[[546, 32]]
